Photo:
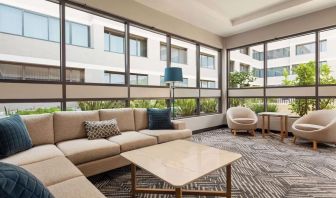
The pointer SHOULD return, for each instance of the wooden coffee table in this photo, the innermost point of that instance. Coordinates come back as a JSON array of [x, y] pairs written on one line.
[[179, 163], [283, 123]]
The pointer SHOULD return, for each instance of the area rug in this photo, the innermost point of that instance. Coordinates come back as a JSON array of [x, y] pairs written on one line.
[[267, 169]]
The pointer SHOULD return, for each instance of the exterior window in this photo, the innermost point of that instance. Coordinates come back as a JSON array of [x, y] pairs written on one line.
[[309, 48], [278, 53], [160, 104], [79, 34], [7, 109], [185, 107], [75, 75], [139, 79], [114, 42], [178, 54], [207, 61], [95, 105], [258, 55], [209, 105], [244, 67], [259, 73], [244, 50], [277, 71], [54, 29], [138, 47], [35, 26], [10, 20], [114, 78], [208, 84]]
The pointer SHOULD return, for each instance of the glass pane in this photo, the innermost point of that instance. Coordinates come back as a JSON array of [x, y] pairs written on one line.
[[35, 26], [7, 109], [96, 61], [151, 68], [209, 105], [26, 58], [246, 67], [106, 42], [134, 48], [79, 35], [116, 44], [184, 56], [209, 72], [54, 30], [133, 79], [327, 103], [95, 105], [163, 52], [327, 62], [255, 104], [67, 32], [160, 104], [10, 20], [292, 106], [185, 107], [291, 62]]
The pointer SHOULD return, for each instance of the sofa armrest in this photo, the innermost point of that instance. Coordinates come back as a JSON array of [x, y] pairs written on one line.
[[179, 125]]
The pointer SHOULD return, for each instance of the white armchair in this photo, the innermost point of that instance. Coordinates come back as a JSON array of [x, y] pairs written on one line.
[[241, 118], [317, 126]]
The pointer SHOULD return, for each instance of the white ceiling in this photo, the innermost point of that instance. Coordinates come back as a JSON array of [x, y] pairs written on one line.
[[228, 17]]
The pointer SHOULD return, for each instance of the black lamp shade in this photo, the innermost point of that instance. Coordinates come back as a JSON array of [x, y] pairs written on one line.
[[173, 74]]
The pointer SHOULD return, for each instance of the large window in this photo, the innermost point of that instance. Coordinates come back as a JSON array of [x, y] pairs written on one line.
[[255, 104], [327, 56], [292, 70], [245, 69], [209, 68], [7, 109], [99, 65], [209, 105], [185, 107]]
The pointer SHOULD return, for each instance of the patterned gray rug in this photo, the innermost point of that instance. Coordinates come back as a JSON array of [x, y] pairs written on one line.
[[268, 169]]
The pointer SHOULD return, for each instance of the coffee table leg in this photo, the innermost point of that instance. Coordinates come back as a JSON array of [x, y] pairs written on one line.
[[133, 172], [228, 181], [286, 126], [178, 192], [282, 128], [268, 124]]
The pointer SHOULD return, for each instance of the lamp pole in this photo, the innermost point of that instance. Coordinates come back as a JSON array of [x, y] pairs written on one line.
[[173, 100]]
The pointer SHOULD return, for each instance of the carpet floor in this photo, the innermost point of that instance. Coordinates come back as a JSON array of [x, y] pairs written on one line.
[[268, 168]]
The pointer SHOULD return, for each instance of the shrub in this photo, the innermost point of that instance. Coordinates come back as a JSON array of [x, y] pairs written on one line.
[[185, 107], [33, 111], [96, 105], [209, 105], [160, 104]]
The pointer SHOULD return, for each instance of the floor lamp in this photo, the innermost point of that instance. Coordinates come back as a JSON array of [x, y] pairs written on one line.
[[172, 75]]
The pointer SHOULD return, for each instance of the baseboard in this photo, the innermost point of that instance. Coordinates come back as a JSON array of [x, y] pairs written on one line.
[[209, 128]]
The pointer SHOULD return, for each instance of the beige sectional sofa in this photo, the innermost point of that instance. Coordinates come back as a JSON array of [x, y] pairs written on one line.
[[62, 157]]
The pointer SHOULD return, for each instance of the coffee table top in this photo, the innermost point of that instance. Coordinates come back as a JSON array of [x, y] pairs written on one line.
[[180, 162]]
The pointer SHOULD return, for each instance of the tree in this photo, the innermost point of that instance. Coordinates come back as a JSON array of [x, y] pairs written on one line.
[[305, 76], [243, 79]]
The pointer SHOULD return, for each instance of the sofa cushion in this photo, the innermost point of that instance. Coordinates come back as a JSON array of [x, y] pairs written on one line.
[[101, 129], [14, 136], [70, 125], [244, 120], [124, 117], [141, 118], [159, 119], [80, 151], [78, 187], [40, 128], [19, 183], [308, 127], [35, 154], [168, 135], [54, 170], [133, 140]]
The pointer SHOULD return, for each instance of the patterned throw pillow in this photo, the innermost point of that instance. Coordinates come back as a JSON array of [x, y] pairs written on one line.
[[159, 119], [101, 129], [19, 183]]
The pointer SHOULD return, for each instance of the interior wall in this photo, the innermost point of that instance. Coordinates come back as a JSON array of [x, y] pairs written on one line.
[[137, 12], [315, 20]]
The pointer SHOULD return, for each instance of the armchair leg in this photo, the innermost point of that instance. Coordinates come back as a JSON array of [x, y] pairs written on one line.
[[254, 132], [234, 132], [315, 145], [294, 140]]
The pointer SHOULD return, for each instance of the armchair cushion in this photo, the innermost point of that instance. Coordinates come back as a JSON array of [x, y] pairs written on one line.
[[308, 127], [244, 120]]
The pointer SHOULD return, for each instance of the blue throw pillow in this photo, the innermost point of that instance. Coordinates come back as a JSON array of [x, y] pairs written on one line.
[[16, 182], [159, 119], [14, 136]]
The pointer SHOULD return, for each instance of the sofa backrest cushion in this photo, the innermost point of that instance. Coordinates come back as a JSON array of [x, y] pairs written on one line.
[[40, 128], [141, 119], [69, 125], [124, 117]]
